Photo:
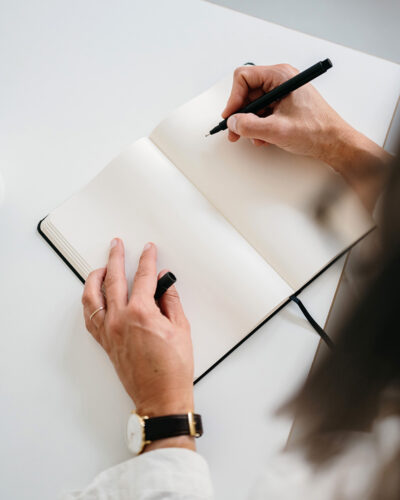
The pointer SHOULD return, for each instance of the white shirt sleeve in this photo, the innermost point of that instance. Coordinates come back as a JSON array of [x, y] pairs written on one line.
[[180, 474], [167, 474]]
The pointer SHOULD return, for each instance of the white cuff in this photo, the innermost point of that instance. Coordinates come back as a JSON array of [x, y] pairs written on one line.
[[167, 473]]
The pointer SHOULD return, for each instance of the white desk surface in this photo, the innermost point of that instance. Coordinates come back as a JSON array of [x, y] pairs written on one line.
[[75, 88]]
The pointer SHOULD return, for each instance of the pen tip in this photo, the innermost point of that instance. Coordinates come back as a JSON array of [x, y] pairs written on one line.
[[207, 135]]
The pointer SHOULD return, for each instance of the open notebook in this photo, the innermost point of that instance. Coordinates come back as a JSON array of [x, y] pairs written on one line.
[[236, 224]]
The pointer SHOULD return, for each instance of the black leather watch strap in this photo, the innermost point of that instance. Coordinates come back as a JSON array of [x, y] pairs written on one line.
[[173, 425]]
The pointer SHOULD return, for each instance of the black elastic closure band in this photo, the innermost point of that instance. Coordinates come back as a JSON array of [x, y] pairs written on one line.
[[324, 336]]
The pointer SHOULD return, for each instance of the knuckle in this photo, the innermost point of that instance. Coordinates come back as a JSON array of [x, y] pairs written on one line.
[[114, 323], [87, 299], [90, 276], [142, 272], [238, 71], [289, 69], [173, 294], [138, 310], [242, 71], [110, 280], [84, 299]]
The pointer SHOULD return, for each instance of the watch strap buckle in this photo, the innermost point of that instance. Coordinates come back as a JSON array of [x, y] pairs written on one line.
[[192, 425]]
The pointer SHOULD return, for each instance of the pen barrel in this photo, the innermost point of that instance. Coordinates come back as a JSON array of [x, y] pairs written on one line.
[[163, 284], [279, 92], [286, 87]]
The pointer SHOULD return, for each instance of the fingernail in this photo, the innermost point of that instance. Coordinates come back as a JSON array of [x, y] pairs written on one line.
[[146, 247], [113, 243], [232, 123]]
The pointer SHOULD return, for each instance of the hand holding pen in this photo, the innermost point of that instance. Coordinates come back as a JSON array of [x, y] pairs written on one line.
[[302, 122]]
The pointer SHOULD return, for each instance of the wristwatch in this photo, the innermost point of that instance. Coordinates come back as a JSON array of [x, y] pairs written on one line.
[[143, 430]]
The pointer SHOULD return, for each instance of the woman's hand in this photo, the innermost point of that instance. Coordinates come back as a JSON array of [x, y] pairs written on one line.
[[149, 344], [305, 124], [302, 123]]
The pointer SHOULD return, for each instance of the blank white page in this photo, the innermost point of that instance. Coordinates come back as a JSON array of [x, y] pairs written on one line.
[[225, 286], [268, 195]]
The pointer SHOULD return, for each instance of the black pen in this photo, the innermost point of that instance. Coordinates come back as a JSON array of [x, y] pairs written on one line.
[[279, 92], [163, 284]]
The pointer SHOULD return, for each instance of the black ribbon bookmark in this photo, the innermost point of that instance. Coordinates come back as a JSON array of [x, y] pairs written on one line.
[[324, 336]]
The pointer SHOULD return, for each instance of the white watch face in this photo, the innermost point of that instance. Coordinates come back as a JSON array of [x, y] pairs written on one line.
[[135, 434]]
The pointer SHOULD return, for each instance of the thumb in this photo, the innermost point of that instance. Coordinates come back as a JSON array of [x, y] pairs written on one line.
[[253, 127], [170, 303]]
